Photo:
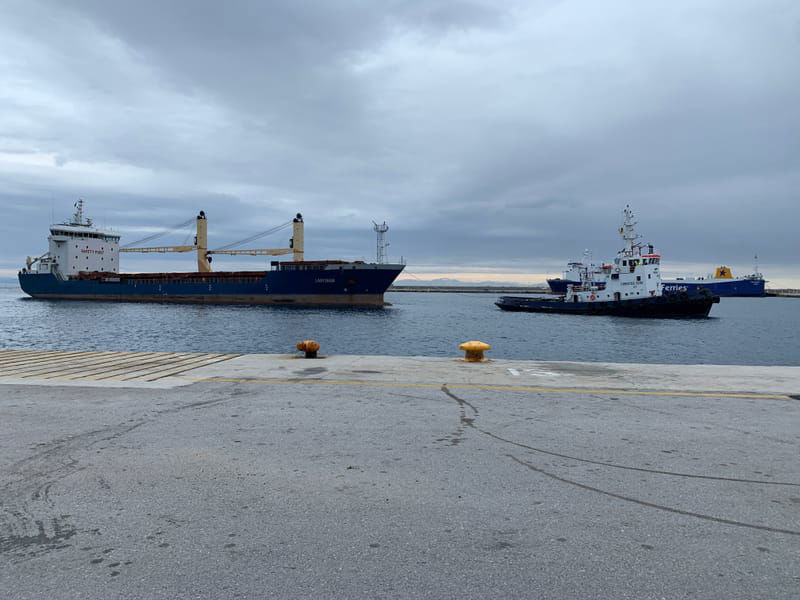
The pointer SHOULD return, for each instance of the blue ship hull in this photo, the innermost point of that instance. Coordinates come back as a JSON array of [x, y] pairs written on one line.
[[723, 288], [559, 286], [718, 287], [320, 284]]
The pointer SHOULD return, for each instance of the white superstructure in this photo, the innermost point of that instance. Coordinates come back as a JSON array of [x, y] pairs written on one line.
[[635, 272], [575, 269], [77, 246]]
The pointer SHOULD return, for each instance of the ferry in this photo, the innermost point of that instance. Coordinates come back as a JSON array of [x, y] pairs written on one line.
[[630, 286], [82, 263], [720, 283]]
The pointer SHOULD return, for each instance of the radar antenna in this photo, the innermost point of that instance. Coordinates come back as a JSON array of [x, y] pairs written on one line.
[[381, 230], [755, 267], [77, 218], [627, 230]]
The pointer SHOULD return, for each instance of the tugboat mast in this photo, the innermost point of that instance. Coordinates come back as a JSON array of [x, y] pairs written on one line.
[[627, 230]]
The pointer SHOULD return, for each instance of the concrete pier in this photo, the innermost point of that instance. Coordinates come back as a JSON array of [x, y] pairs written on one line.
[[176, 475]]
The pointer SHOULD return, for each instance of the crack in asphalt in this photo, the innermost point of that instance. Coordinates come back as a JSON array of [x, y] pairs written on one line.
[[464, 403], [670, 509], [26, 527]]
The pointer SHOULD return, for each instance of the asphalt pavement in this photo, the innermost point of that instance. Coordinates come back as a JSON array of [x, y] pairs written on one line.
[[375, 477]]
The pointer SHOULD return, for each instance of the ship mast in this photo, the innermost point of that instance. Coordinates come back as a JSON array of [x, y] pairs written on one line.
[[627, 230], [201, 244], [77, 218]]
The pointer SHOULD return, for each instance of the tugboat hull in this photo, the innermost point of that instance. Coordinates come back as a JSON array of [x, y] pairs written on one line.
[[666, 306]]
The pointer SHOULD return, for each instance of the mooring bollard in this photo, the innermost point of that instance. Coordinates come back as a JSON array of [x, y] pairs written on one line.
[[310, 347], [474, 350]]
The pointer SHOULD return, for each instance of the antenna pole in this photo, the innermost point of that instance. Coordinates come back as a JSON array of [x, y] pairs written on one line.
[[77, 218], [380, 230]]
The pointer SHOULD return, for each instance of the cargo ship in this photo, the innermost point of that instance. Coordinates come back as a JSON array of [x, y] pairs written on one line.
[[82, 263], [630, 286]]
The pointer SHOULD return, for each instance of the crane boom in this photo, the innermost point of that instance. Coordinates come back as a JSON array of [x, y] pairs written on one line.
[[296, 244], [254, 252], [160, 249]]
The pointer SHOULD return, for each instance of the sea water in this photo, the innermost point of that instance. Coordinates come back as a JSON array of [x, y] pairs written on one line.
[[740, 331]]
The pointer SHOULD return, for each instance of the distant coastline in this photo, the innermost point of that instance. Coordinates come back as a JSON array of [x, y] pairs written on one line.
[[518, 289], [786, 293], [471, 289]]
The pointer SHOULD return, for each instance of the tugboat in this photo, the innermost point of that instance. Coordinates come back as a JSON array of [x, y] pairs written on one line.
[[630, 287]]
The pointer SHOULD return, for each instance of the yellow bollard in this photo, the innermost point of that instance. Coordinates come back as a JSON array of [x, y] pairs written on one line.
[[474, 350], [310, 347]]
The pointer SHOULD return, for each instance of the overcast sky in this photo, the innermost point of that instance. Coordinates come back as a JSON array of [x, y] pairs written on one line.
[[497, 139]]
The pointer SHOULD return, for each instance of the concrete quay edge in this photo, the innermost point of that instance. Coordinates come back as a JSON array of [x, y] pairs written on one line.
[[420, 371], [417, 370]]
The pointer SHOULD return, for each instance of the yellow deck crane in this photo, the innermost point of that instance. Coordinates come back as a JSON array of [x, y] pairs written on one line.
[[296, 244]]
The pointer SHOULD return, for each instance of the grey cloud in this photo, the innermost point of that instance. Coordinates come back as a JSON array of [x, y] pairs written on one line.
[[485, 133]]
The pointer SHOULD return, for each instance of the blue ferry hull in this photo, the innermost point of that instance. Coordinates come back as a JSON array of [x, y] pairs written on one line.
[[728, 288], [725, 288], [342, 285]]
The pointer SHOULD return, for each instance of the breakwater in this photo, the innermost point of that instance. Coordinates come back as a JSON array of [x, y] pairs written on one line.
[[472, 289], [784, 293], [511, 289]]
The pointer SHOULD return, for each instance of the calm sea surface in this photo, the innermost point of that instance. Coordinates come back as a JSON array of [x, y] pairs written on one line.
[[746, 331]]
